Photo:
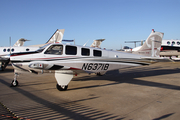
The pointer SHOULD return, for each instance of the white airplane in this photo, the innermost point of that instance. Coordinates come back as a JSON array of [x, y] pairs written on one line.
[[6, 51], [68, 60], [55, 38], [20, 42], [19, 48], [170, 48], [151, 47], [97, 43]]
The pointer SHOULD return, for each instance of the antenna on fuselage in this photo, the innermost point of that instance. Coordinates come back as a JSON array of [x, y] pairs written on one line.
[[86, 43]]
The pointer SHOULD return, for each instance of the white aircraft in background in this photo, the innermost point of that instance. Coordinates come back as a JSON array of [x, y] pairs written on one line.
[[6, 51], [68, 60], [151, 47], [170, 48], [97, 43], [55, 38], [19, 48]]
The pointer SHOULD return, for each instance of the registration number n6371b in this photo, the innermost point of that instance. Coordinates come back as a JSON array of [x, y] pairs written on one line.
[[95, 66]]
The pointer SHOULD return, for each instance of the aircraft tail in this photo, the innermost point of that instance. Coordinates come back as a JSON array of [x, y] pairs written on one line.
[[20, 42], [56, 37], [97, 43], [152, 45]]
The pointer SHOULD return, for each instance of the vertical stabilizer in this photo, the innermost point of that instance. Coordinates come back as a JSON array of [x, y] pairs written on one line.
[[97, 43], [152, 45], [20, 42], [56, 37]]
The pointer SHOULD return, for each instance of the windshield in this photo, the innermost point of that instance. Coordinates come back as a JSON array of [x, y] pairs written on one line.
[[42, 48]]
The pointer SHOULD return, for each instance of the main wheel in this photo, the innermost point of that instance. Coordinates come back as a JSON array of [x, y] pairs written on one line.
[[99, 74], [62, 88], [14, 83]]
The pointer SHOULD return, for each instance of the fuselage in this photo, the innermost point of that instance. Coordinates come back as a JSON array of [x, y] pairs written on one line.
[[76, 58], [170, 45]]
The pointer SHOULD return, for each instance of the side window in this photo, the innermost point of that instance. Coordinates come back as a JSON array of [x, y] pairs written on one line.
[[27, 49], [168, 42], [12, 50], [97, 53], [4, 50], [8, 50], [55, 49], [173, 42], [71, 50], [178, 43], [85, 52]]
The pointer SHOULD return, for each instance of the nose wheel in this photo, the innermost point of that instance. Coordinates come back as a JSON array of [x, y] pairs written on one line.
[[14, 82]]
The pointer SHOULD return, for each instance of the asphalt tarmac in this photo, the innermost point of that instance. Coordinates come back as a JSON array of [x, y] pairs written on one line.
[[140, 93]]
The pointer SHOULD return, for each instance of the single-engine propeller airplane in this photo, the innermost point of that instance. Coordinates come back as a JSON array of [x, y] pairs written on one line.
[[68, 60]]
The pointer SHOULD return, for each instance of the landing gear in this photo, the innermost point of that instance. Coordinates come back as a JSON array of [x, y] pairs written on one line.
[[3, 64], [98, 74], [101, 73], [62, 88], [14, 83]]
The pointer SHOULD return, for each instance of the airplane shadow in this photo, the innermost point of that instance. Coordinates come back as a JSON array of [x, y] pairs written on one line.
[[45, 109], [7, 70], [131, 78], [164, 116]]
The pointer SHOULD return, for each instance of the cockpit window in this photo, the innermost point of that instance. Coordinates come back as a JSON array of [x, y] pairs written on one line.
[[55, 49], [12, 50], [42, 48], [71, 50]]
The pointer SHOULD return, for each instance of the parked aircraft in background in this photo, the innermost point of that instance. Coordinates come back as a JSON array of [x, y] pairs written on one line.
[[55, 38], [170, 45], [67, 60], [19, 48], [20, 42], [151, 47], [170, 48], [97, 43]]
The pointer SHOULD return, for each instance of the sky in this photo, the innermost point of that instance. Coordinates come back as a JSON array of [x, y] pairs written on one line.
[[116, 21]]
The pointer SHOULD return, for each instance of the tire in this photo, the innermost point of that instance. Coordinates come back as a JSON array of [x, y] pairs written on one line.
[[60, 88], [14, 84], [99, 74]]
